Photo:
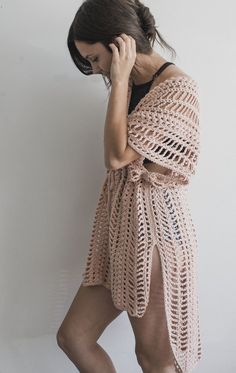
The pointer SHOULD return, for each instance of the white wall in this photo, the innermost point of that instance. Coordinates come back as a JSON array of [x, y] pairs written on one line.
[[52, 168]]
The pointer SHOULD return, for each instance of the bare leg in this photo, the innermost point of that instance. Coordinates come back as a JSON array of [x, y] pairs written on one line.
[[91, 311], [153, 350]]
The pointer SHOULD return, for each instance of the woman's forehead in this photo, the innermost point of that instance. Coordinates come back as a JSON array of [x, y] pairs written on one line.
[[86, 49]]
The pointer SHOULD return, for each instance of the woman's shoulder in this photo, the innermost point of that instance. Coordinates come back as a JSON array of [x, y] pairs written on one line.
[[172, 76], [172, 84], [171, 71]]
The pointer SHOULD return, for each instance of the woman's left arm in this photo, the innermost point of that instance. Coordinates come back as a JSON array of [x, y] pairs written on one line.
[[117, 152], [115, 130]]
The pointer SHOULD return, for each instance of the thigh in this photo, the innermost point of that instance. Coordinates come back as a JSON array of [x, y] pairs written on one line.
[[150, 331], [91, 311]]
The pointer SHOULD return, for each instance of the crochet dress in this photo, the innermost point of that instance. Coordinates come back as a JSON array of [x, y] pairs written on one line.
[[138, 209]]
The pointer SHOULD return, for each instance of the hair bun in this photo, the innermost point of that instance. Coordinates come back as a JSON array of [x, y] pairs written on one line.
[[147, 21]]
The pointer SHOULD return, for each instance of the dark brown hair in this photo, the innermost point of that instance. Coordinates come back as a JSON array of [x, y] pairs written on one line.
[[103, 20]]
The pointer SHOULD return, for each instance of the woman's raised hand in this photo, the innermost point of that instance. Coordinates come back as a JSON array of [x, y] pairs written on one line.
[[123, 59]]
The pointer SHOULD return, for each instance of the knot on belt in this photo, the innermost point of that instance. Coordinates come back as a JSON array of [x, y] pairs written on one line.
[[156, 179]]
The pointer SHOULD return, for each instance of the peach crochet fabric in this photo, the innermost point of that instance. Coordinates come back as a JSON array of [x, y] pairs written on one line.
[[138, 208]]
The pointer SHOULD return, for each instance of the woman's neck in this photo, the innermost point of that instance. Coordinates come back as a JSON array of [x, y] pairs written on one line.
[[145, 67]]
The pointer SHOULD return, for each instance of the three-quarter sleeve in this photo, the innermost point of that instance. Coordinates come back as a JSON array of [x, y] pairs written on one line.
[[165, 126]]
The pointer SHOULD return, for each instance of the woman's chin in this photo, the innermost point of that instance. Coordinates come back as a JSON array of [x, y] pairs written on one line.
[[105, 74]]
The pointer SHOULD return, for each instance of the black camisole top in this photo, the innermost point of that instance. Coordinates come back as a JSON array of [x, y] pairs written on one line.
[[140, 90]]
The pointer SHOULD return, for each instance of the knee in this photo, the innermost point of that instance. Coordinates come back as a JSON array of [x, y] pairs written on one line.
[[150, 362], [66, 339], [62, 338]]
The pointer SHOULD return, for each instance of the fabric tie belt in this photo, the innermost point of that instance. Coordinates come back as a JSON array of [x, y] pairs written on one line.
[[137, 173], [155, 179]]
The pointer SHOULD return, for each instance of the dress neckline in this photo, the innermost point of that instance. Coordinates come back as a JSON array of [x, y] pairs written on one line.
[[178, 79], [158, 72], [142, 84]]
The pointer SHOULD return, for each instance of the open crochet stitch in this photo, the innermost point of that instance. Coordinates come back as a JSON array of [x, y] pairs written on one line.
[[138, 209]]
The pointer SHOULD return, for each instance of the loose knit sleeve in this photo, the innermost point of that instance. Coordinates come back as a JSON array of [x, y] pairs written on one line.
[[164, 127]]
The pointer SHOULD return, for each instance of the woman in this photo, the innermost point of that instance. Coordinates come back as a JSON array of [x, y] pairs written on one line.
[[142, 255]]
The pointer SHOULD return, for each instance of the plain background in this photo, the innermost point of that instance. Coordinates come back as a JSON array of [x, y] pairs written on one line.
[[51, 144]]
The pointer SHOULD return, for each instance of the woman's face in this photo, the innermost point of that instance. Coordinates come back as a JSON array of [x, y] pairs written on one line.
[[99, 57]]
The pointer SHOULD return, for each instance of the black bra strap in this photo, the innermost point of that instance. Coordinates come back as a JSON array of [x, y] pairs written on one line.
[[159, 71]]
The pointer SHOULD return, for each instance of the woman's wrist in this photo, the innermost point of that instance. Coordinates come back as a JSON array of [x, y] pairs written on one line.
[[120, 82]]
